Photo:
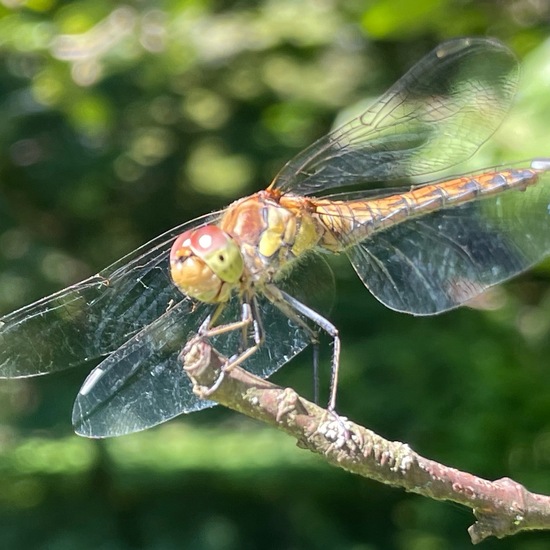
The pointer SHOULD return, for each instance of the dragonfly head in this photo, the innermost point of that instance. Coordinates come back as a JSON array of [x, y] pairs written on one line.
[[206, 263]]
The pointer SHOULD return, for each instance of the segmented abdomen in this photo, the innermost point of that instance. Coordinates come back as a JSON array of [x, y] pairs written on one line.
[[346, 223]]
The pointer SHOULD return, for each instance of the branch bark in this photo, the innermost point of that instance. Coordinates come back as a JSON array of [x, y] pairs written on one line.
[[502, 507]]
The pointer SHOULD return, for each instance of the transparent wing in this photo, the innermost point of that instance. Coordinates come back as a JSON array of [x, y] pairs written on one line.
[[438, 261], [311, 282], [436, 115], [92, 318], [143, 383]]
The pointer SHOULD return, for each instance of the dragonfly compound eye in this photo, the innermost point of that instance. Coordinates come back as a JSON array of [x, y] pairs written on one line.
[[206, 263]]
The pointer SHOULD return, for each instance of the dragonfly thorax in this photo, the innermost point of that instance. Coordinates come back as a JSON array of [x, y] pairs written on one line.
[[206, 264], [272, 231]]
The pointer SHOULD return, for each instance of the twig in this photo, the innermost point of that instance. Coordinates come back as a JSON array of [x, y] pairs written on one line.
[[502, 507]]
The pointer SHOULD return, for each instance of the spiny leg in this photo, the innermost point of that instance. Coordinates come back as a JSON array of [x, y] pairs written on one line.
[[290, 306], [278, 298], [337, 429], [249, 316]]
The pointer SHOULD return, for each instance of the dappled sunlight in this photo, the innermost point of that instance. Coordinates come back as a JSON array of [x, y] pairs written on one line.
[[122, 120], [180, 447], [52, 457], [211, 170]]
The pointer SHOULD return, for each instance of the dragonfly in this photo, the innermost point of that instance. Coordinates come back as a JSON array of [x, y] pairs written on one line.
[[245, 277]]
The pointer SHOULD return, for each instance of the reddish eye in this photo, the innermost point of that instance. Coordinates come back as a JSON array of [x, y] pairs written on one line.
[[208, 239], [183, 241], [202, 242], [206, 263]]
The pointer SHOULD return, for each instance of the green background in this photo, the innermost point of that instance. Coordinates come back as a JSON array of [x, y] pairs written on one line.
[[119, 121]]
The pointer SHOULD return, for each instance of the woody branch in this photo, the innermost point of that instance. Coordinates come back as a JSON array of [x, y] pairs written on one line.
[[502, 507]]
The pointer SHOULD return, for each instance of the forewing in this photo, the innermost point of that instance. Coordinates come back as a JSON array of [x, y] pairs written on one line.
[[94, 317], [438, 261], [143, 383], [436, 115]]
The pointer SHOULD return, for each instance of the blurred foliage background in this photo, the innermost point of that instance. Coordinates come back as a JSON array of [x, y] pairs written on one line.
[[119, 121]]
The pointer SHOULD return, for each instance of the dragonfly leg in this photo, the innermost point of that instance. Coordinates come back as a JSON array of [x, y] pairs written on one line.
[[315, 345], [290, 312], [207, 326], [249, 316], [207, 330], [290, 306], [337, 429]]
